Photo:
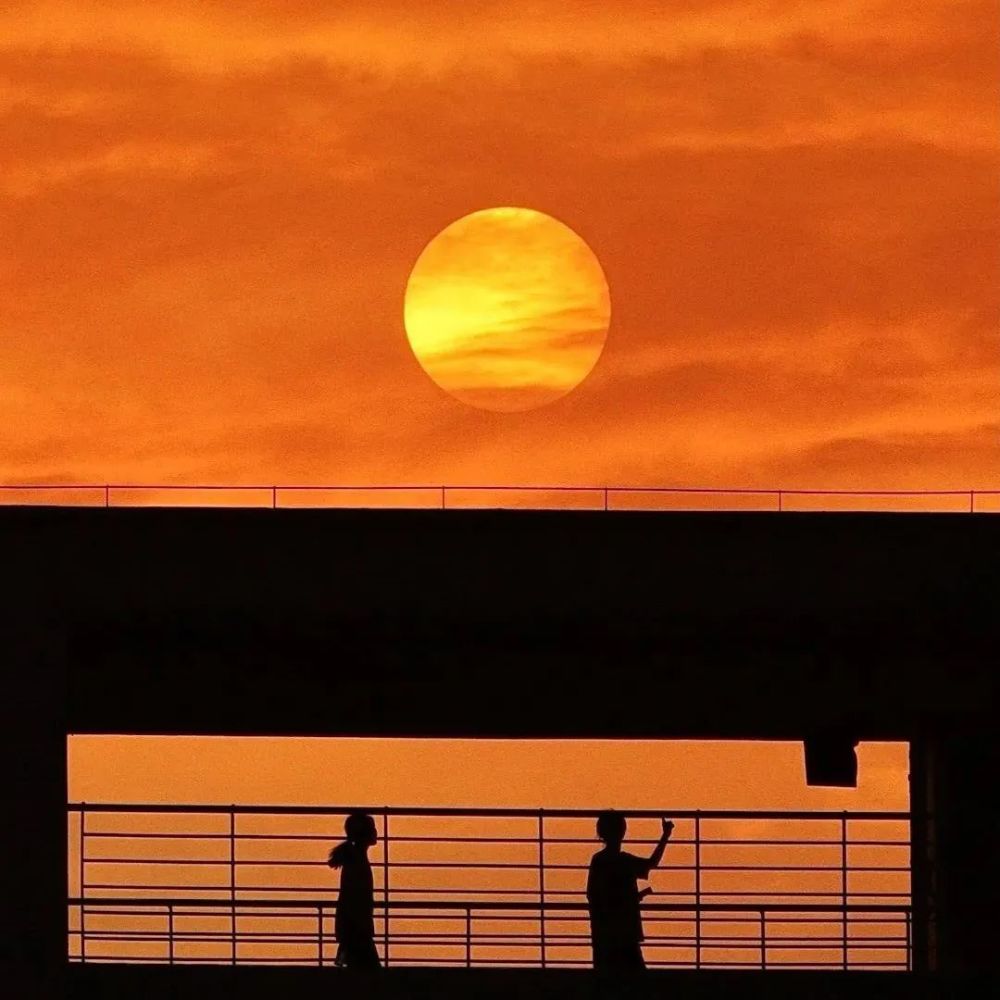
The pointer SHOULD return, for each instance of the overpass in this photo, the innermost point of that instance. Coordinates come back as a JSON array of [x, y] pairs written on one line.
[[747, 625]]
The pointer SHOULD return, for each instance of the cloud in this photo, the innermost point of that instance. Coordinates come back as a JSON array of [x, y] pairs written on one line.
[[209, 214], [882, 462]]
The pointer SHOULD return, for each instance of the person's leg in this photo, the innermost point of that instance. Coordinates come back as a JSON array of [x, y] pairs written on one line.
[[352, 952], [603, 955], [364, 955], [622, 957]]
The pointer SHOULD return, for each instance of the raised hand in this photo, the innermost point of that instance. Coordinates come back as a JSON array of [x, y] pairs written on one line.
[[668, 828]]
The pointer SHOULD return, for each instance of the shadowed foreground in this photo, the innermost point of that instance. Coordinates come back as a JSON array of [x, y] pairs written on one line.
[[128, 982]]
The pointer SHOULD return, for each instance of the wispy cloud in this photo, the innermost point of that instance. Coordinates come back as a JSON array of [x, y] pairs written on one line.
[[210, 212]]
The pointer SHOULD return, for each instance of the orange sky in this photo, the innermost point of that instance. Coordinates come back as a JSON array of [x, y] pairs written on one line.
[[209, 212], [569, 774]]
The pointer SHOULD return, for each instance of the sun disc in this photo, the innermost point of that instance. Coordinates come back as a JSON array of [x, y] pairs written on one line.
[[507, 309]]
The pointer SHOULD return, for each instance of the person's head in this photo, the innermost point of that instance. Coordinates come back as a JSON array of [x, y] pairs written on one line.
[[360, 829], [611, 827], [361, 833]]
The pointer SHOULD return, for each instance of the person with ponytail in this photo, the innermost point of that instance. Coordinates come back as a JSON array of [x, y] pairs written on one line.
[[354, 924]]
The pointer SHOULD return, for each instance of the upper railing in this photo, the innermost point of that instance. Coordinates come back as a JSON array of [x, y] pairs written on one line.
[[441, 497], [472, 887]]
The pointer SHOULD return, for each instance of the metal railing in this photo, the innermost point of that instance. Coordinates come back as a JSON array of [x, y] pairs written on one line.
[[473, 887], [444, 497]]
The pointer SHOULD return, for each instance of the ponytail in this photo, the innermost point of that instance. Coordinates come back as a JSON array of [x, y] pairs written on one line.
[[339, 854]]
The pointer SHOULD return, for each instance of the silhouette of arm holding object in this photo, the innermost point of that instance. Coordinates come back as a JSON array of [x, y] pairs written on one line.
[[613, 897]]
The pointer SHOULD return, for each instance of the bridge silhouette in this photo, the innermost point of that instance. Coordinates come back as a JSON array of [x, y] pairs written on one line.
[[484, 624]]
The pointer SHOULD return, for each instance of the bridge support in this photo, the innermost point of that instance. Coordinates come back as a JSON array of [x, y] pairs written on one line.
[[34, 946], [956, 870]]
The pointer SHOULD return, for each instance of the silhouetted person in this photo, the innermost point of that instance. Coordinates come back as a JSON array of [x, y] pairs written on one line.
[[354, 924], [613, 897]]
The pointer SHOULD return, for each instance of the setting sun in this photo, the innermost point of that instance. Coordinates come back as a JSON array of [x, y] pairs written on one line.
[[507, 309]]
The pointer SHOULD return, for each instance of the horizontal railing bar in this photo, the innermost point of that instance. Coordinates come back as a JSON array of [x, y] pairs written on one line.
[[485, 488], [497, 941], [476, 812], [483, 963], [488, 865], [533, 893], [498, 905], [486, 962], [749, 894], [863, 916], [326, 837], [429, 938]]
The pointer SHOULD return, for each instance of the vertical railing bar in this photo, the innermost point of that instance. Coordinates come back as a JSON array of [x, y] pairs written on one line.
[[170, 933], [444, 502], [843, 887], [319, 942], [232, 882], [972, 501], [468, 937], [274, 498], [107, 495], [385, 883], [763, 938], [697, 890], [605, 498], [541, 883], [82, 875], [909, 945], [781, 504]]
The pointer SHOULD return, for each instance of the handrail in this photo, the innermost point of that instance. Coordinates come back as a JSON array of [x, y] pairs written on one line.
[[534, 906], [461, 811], [444, 496]]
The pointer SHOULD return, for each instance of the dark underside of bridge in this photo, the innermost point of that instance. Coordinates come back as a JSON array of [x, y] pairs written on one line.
[[145, 983], [475, 624]]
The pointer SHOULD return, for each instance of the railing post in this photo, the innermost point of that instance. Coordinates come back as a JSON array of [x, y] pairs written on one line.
[[107, 495], [781, 501], [385, 883], [909, 943], [232, 882], [468, 937], [274, 498], [444, 500], [763, 938], [541, 883], [697, 890], [319, 935], [843, 888], [83, 906], [605, 498], [170, 933], [972, 501]]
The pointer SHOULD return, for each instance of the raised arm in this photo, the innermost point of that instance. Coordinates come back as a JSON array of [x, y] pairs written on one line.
[[657, 856]]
